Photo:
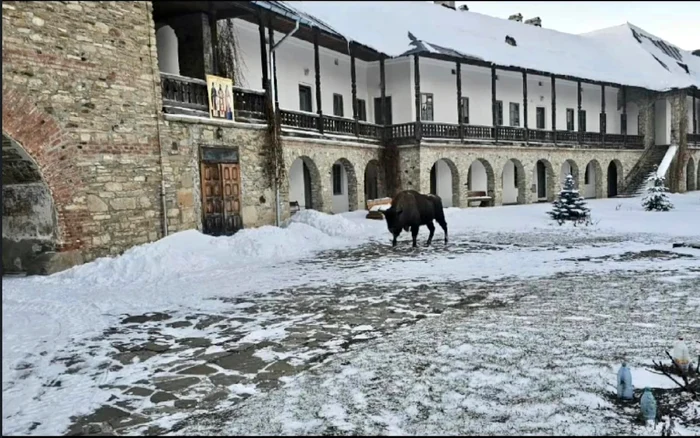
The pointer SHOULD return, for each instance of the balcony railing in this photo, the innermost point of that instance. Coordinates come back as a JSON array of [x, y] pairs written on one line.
[[249, 105], [694, 139]]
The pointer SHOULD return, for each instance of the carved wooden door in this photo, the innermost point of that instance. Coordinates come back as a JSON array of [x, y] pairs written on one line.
[[221, 198]]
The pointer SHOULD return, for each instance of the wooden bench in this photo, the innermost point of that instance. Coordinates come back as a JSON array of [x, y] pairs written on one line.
[[373, 203], [294, 207], [478, 198]]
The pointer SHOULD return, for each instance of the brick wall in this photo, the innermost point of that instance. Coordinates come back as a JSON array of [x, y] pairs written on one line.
[[79, 96]]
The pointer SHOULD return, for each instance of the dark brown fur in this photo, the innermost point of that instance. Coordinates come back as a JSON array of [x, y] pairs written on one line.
[[410, 209]]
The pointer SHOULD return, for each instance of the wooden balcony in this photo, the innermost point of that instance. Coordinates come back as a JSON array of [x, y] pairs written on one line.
[[694, 139], [189, 96]]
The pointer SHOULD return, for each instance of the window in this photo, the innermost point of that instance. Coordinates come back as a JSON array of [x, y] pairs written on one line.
[[362, 110], [499, 113], [569, 119], [586, 176], [464, 103], [514, 114], [582, 120], [337, 179], [338, 105], [539, 116], [426, 107], [623, 123], [305, 98]]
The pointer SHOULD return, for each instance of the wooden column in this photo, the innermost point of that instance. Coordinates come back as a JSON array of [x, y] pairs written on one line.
[[624, 115], [460, 115], [382, 97], [353, 80], [578, 96], [317, 70], [527, 133], [263, 54], [554, 110], [271, 38], [416, 85], [695, 120], [493, 103], [603, 116], [214, 33]]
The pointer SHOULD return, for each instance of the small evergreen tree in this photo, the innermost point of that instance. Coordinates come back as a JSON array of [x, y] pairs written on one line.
[[656, 199], [570, 206]]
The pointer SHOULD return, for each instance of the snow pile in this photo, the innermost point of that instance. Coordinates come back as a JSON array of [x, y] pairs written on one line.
[[332, 225]]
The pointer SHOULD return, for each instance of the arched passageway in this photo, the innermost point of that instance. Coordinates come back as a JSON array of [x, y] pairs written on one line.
[[444, 182], [569, 167], [343, 186], [375, 187], [305, 184], [614, 178], [593, 180], [481, 181], [29, 218], [167, 48], [543, 179], [513, 180]]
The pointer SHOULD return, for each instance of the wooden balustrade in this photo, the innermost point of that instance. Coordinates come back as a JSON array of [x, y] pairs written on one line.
[[299, 120], [182, 92]]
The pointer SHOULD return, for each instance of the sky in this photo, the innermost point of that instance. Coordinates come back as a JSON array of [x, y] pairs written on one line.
[[675, 22]]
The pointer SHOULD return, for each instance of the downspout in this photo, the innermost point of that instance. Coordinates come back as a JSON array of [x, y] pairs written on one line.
[[157, 110], [273, 93]]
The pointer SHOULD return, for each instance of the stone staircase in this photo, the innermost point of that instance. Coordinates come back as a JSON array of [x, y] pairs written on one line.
[[635, 183]]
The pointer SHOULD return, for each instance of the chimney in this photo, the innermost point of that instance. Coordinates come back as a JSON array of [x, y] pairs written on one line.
[[450, 5], [537, 21], [517, 17]]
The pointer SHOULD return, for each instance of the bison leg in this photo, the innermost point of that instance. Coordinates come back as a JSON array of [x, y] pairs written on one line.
[[431, 228], [443, 225], [414, 234], [393, 242]]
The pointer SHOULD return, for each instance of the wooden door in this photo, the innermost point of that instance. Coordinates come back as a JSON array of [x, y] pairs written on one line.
[[221, 202], [541, 181]]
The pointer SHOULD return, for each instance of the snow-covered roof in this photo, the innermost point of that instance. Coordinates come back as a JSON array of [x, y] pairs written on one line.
[[599, 56]]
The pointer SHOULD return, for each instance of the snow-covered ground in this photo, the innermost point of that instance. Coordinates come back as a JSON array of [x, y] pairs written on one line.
[[329, 293]]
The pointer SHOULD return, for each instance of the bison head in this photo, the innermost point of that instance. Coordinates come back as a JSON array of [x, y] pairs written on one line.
[[393, 220]]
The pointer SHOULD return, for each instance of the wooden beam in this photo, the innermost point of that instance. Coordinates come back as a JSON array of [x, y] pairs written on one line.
[[603, 116], [353, 83], [416, 85], [578, 97], [382, 102], [460, 114], [214, 34], [263, 53], [317, 70], [271, 38], [527, 136], [624, 115], [554, 110], [695, 120], [494, 117]]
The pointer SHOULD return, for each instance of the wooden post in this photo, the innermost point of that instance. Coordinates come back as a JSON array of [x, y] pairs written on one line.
[[271, 38], [460, 114], [416, 85], [353, 80], [695, 120], [382, 97], [580, 131], [317, 70], [214, 33], [263, 54], [527, 133], [624, 116], [603, 116], [494, 117], [554, 110]]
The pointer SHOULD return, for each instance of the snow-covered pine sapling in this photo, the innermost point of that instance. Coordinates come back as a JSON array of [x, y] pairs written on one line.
[[656, 199], [570, 205]]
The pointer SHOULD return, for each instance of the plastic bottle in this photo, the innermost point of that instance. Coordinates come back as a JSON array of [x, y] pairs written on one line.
[[648, 405], [625, 390], [680, 354]]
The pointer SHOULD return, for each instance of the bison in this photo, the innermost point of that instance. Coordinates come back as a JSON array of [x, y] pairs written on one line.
[[410, 209]]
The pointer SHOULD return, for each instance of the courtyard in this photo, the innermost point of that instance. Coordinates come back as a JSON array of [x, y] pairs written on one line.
[[517, 325]]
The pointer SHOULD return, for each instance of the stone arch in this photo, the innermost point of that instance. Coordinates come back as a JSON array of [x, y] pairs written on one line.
[[167, 49], [444, 182], [375, 184], [30, 229], [305, 184], [690, 175], [513, 182], [615, 178], [544, 181], [343, 186], [569, 167], [481, 178], [593, 180]]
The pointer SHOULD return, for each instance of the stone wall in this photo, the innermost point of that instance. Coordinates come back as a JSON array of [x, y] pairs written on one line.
[[679, 128], [81, 96]]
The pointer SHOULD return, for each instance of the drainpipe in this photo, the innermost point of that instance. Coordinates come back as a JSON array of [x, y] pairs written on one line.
[[273, 92]]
